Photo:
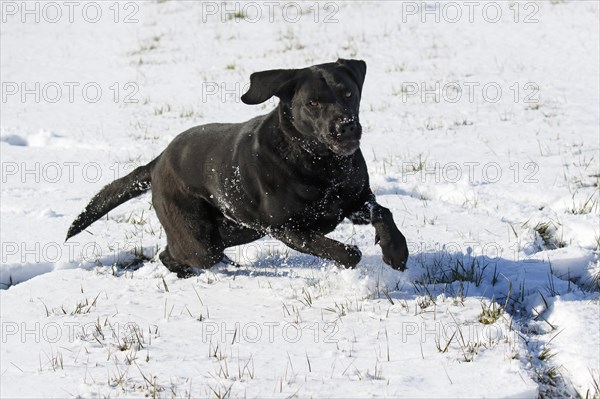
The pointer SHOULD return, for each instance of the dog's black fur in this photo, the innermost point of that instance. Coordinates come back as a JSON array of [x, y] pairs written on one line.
[[293, 174]]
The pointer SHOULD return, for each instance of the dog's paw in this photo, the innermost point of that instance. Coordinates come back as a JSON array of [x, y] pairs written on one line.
[[185, 271], [351, 257], [395, 253], [390, 239], [224, 264], [182, 271]]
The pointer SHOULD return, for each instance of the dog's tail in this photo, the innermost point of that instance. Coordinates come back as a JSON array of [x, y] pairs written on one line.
[[113, 195]]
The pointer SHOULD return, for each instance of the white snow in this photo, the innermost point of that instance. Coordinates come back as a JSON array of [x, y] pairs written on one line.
[[499, 202]]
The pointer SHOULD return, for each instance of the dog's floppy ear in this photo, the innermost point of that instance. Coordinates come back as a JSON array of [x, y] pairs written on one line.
[[266, 84], [357, 68]]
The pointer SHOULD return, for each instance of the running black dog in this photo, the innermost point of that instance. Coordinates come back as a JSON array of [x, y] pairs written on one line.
[[293, 174]]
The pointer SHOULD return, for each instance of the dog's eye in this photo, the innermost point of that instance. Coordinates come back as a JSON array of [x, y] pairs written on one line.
[[314, 103], [348, 94]]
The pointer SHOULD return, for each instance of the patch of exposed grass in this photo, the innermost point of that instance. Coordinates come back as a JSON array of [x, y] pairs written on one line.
[[490, 312], [547, 232], [588, 205]]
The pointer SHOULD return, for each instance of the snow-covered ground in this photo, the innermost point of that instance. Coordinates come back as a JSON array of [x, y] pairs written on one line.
[[481, 126]]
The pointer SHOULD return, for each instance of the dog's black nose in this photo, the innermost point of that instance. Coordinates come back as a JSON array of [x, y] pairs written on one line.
[[347, 127]]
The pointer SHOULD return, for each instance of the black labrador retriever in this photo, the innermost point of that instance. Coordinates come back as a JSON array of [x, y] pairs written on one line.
[[293, 174]]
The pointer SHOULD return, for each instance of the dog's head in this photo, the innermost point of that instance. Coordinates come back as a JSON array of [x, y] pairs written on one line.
[[321, 101]]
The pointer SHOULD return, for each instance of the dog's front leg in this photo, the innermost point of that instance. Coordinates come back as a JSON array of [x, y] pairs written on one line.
[[392, 241], [318, 245]]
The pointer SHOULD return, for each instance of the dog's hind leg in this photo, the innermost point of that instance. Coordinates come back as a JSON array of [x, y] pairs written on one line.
[[182, 270], [193, 238]]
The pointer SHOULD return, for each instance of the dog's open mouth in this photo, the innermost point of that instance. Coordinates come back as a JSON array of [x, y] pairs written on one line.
[[345, 148], [344, 136]]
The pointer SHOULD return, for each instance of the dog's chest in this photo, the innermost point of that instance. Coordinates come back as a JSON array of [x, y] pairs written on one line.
[[331, 196], [322, 203]]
